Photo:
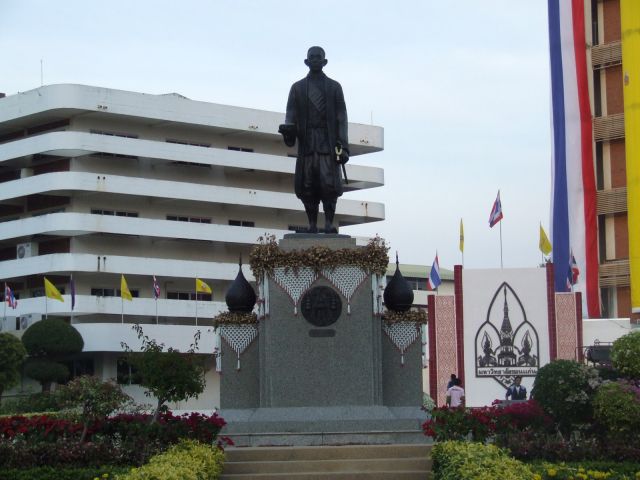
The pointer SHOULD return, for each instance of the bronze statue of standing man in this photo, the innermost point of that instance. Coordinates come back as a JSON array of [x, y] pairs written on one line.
[[317, 117]]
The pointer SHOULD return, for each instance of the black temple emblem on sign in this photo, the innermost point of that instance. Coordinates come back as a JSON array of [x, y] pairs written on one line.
[[506, 352]]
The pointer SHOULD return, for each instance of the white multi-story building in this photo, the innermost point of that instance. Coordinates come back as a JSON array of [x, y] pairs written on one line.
[[98, 183]]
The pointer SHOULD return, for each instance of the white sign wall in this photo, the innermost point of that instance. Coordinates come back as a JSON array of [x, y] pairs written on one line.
[[506, 330]]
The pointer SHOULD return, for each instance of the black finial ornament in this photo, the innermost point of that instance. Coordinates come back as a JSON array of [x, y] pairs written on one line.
[[398, 295], [240, 296]]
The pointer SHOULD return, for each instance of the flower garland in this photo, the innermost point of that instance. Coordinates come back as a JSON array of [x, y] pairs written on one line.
[[415, 316], [234, 318], [264, 257]]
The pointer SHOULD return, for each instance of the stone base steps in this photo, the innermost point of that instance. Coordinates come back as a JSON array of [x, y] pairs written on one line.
[[358, 462]]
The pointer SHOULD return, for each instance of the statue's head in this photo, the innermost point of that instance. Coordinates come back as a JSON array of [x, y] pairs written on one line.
[[315, 59]]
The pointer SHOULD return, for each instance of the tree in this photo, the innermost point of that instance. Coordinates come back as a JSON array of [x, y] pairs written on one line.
[[93, 398], [12, 354], [170, 376], [625, 355], [564, 389], [47, 342]]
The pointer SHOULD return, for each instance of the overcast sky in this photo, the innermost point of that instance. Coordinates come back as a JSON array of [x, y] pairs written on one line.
[[461, 89]]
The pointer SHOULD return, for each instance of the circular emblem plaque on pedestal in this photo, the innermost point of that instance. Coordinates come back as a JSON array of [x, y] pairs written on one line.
[[321, 306]]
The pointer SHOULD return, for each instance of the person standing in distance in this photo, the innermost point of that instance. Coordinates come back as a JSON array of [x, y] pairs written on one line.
[[317, 118], [455, 395], [516, 391]]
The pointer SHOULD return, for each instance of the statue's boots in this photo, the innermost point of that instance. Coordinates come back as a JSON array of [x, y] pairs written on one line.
[[329, 212], [312, 216]]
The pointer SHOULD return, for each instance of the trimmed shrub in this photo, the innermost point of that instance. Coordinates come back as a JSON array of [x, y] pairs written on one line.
[[564, 390], [45, 371], [188, 460], [41, 402], [476, 461], [625, 355], [12, 354], [52, 337], [617, 408]]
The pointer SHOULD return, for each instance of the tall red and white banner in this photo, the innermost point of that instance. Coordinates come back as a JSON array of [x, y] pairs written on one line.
[[573, 192]]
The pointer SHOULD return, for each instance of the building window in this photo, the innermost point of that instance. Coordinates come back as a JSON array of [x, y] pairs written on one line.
[[416, 283], [177, 218], [190, 164], [242, 223], [113, 134], [80, 366], [189, 296], [111, 292], [47, 212], [185, 142], [240, 149], [117, 213], [113, 155], [39, 292], [127, 374]]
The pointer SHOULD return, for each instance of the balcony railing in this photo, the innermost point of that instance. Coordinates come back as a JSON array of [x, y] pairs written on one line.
[[606, 55], [608, 128], [611, 201], [615, 273]]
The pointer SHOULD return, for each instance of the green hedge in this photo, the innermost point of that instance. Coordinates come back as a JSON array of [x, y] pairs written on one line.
[[476, 461], [188, 460], [61, 473]]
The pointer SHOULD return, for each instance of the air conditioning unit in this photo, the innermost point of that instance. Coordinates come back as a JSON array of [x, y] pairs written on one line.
[[24, 250], [26, 321]]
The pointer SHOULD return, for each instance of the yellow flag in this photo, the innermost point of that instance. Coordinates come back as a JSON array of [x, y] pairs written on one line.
[[545, 244], [202, 287], [51, 291], [125, 293], [461, 237]]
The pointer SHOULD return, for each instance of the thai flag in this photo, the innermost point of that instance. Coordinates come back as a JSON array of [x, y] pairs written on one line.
[[573, 197], [573, 272], [156, 288], [434, 275], [9, 297], [496, 212]]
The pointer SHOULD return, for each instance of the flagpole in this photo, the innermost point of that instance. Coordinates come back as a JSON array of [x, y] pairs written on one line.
[[156, 309], [196, 300], [73, 295], [4, 319], [46, 310], [501, 244], [122, 305]]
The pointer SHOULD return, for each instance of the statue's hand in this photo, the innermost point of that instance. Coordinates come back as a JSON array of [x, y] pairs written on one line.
[[344, 157], [288, 131]]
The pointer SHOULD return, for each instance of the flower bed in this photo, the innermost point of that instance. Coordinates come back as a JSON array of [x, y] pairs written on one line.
[[586, 471], [484, 422], [107, 472], [128, 439]]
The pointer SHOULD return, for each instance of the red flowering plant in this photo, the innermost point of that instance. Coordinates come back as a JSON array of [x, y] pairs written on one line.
[[447, 423], [37, 428], [521, 416], [479, 424]]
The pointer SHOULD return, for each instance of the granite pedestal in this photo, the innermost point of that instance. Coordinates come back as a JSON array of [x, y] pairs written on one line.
[[302, 384]]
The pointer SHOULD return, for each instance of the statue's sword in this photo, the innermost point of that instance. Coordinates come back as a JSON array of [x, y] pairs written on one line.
[[344, 170]]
